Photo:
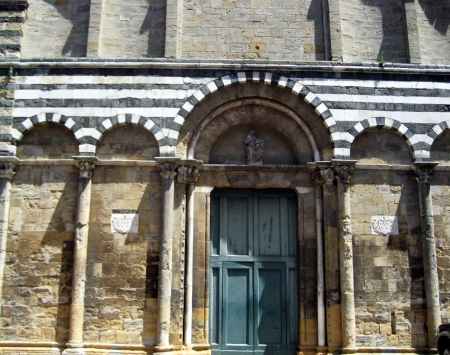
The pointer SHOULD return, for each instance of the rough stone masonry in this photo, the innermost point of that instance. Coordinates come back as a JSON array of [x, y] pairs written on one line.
[[132, 223]]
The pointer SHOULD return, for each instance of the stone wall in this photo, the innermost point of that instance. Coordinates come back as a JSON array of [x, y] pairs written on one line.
[[132, 29], [441, 211], [433, 25], [56, 28], [389, 290], [253, 29], [38, 274], [380, 31], [373, 30], [121, 294]]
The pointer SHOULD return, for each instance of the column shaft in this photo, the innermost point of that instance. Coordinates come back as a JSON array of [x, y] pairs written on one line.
[[189, 264], [165, 256], [6, 175], [80, 253], [321, 174], [346, 257], [424, 172], [320, 268]]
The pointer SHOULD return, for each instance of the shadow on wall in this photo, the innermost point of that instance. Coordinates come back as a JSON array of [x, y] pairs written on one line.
[[77, 12], [155, 24], [437, 13], [393, 46]]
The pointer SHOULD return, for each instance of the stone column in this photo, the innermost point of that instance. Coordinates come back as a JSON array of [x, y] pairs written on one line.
[[168, 168], [343, 172], [6, 175], [86, 166], [424, 172], [321, 174], [188, 174]]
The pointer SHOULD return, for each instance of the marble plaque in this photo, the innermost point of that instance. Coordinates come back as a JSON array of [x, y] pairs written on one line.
[[384, 225], [124, 221]]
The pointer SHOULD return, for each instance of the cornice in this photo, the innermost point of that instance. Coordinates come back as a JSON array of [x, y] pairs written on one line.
[[256, 65]]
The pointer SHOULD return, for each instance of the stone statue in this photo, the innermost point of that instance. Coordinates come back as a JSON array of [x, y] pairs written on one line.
[[253, 146]]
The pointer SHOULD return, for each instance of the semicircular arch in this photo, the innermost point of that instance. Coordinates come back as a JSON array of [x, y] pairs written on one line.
[[133, 119], [438, 140], [399, 128], [254, 101], [267, 78]]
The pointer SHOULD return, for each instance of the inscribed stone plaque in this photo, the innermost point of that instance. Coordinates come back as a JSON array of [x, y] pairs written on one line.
[[384, 225], [124, 221]]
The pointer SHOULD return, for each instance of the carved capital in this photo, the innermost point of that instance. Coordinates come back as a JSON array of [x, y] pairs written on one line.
[[344, 173], [322, 176], [168, 167], [424, 171], [344, 170], [86, 166], [167, 172], [7, 169], [188, 171], [86, 169]]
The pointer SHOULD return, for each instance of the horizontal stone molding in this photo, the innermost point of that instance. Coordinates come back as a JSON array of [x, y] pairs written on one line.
[[161, 63]]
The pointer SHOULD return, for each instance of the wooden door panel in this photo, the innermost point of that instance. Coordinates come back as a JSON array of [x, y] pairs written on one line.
[[267, 226], [270, 320], [254, 294], [238, 305], [236, 231]]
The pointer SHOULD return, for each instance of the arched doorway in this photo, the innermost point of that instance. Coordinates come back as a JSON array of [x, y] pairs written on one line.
[[215, 133]]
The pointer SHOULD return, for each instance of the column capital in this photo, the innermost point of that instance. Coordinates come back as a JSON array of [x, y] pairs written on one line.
[[424, 171], [168, 167], [322, 173], [7, 166], [344, 169], [86, 166], [188, 171]]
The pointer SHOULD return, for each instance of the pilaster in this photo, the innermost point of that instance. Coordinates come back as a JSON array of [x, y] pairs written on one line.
[[95, 19], [335, 31], [424, 171], [174, 29], [412, 31]]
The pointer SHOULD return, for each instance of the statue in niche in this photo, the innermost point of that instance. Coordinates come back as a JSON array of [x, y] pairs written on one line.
[[254, 147]]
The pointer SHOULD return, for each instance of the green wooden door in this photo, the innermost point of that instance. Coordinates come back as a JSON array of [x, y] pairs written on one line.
[[253, 293]]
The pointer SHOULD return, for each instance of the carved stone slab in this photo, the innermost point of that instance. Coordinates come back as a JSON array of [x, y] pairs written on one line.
[[124, 221], [384, 225]]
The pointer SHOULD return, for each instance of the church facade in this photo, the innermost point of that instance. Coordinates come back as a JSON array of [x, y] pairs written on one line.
[[224, 177]]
